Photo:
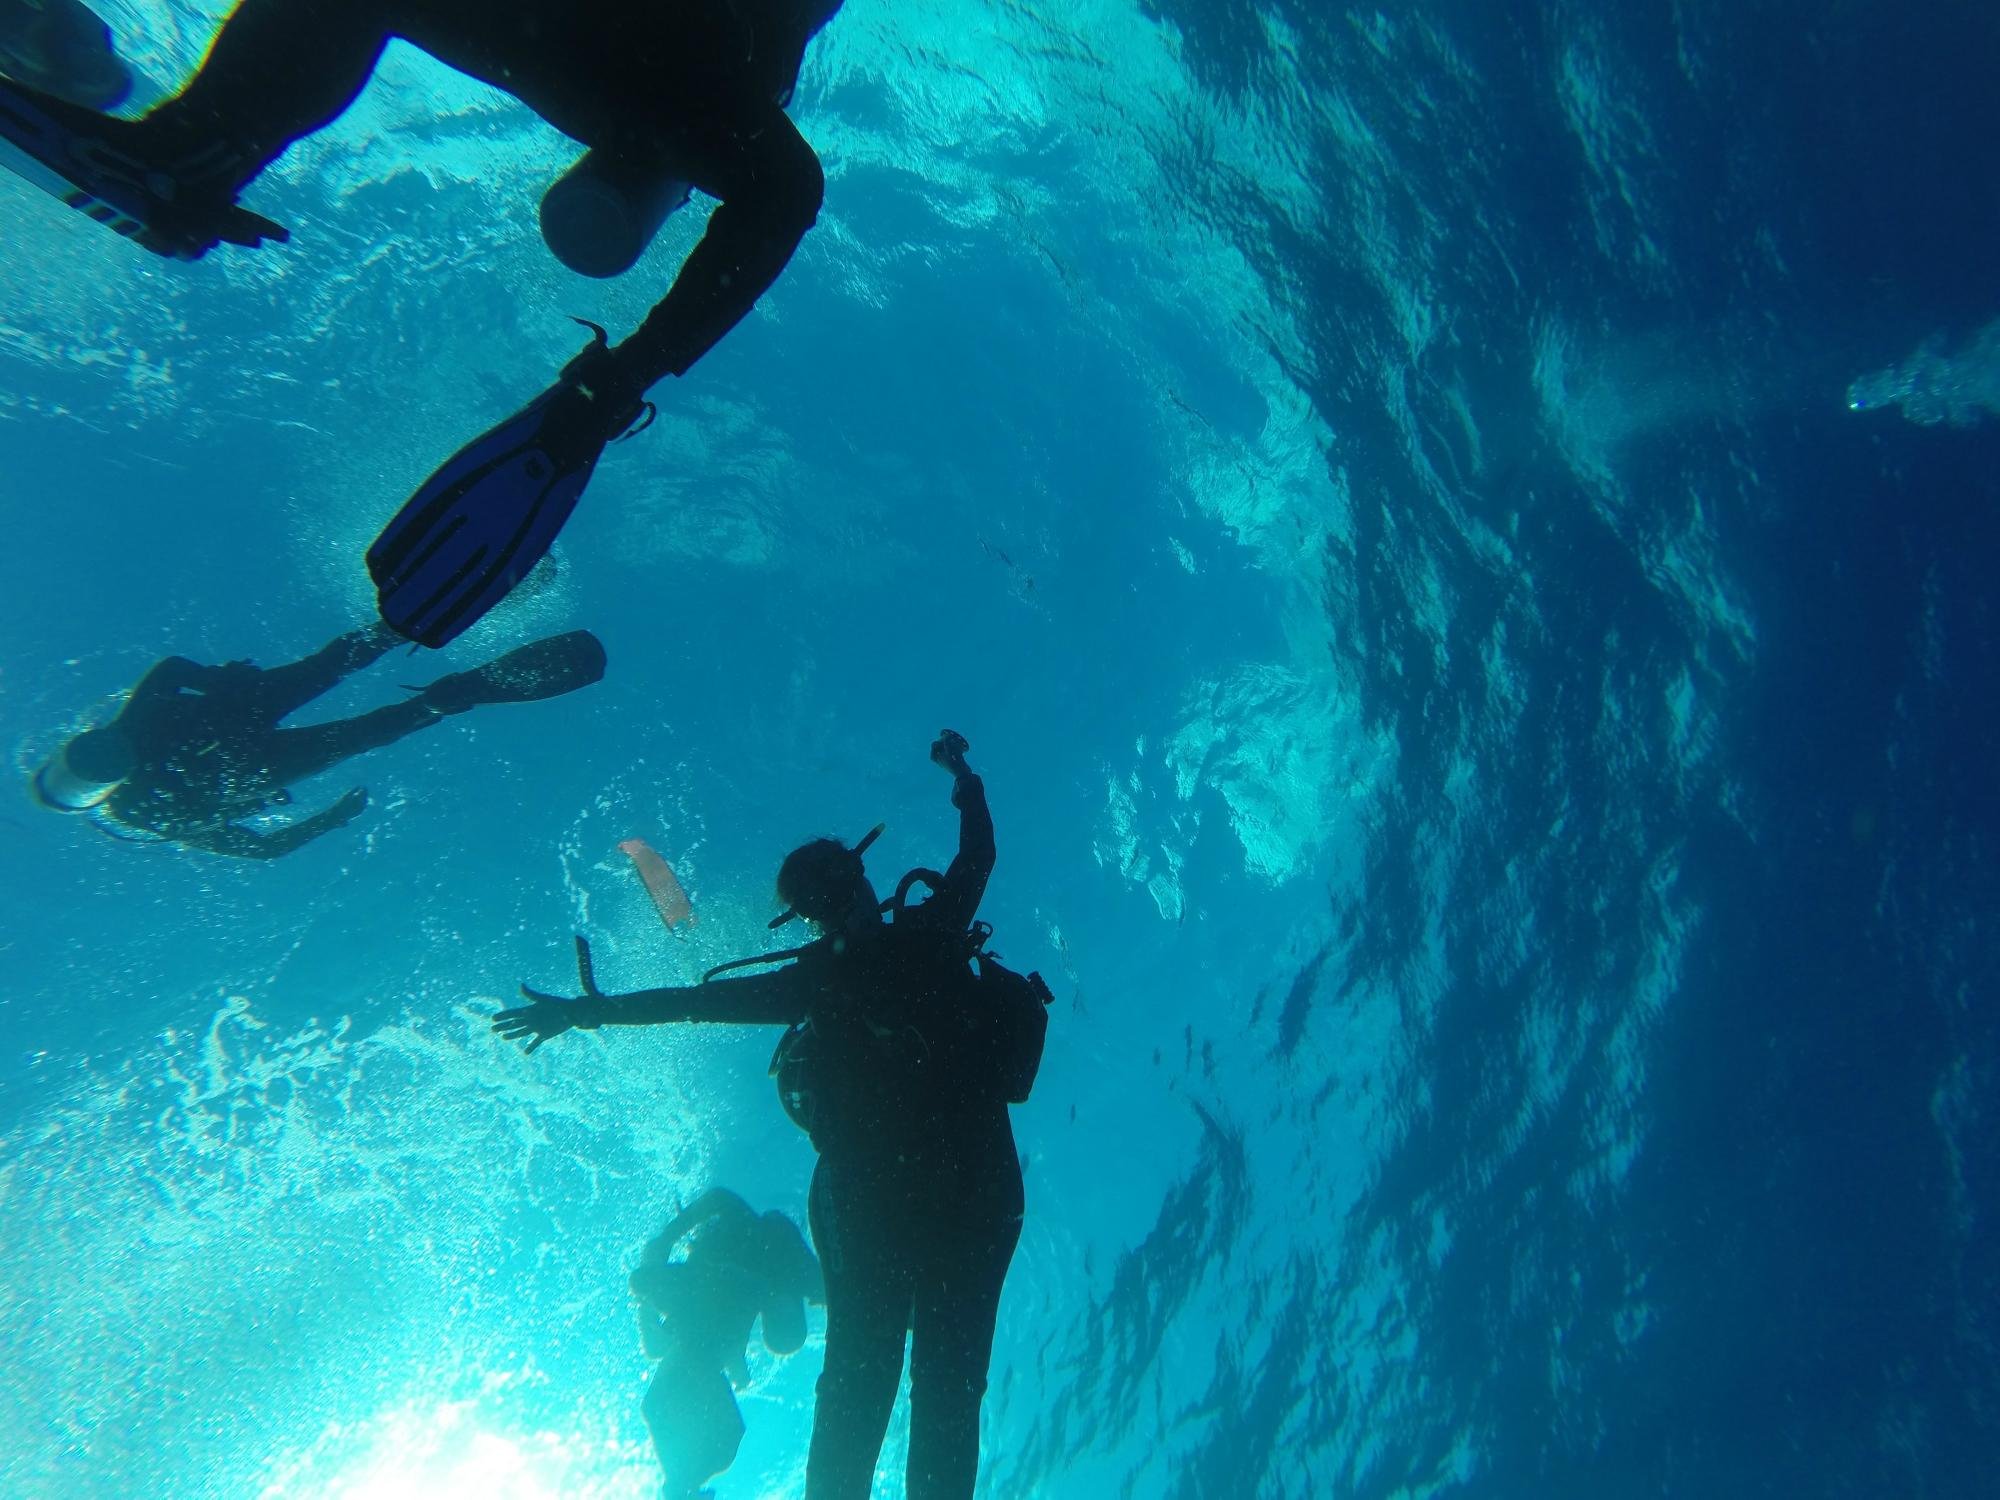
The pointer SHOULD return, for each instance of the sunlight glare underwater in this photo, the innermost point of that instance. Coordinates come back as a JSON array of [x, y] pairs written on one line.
[[421, 1448]]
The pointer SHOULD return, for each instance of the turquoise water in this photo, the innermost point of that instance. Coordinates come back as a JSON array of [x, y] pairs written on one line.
[[1460, 538]]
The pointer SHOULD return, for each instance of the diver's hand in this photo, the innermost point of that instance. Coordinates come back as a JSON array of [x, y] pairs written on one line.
[[305, 830], [348, 808], [948, 750], [551, 1015], [544, 1017]]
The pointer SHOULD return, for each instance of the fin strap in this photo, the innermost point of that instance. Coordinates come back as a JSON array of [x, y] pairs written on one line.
[[586, 968]]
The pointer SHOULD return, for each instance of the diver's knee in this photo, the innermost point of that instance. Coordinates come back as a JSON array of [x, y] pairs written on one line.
[[796, 186], [948, 1390]]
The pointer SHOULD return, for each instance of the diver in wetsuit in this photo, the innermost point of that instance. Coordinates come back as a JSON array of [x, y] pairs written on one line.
[[916, 1201], [694, 1318], [665, 93], [195, 749]]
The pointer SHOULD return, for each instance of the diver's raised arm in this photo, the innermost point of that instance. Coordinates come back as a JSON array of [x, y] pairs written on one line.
[[965, 881], [167, 678], [716, 1203]]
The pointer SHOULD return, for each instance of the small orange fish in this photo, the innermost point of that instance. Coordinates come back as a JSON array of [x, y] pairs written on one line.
[[668, 898]]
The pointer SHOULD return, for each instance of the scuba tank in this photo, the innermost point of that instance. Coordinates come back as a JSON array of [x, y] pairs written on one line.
[[991, 1028], [600, 215]]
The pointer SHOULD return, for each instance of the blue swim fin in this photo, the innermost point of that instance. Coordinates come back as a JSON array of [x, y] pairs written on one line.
[[74, 155], [480, 523]]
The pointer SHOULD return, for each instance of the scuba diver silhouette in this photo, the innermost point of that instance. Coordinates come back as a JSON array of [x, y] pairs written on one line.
[[900, 1060], [196, 749], [665, 94], [694, 1318]]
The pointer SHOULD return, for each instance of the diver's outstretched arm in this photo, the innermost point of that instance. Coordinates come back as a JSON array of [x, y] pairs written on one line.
[[774, 999], [234, 841], [147, 716], [243, 843], [169, 678]]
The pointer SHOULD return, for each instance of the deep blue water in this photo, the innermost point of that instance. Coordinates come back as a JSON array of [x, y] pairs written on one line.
[[1461, 537]]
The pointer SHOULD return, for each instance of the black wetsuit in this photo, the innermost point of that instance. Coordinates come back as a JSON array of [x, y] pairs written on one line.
[[916, 1202], [211, 751], [697, 87]]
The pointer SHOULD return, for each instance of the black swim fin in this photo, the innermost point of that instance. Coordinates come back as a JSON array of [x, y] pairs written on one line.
[[480, 523], [527, 674], [75, 156]]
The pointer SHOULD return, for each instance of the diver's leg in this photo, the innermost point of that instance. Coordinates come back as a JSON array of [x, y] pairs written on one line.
[[951, 1345], [867, 1317], [294, 754], [278, 70], [696, 1426], [663, 1417], [752, 158], [286, 689], [721, 1428]]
